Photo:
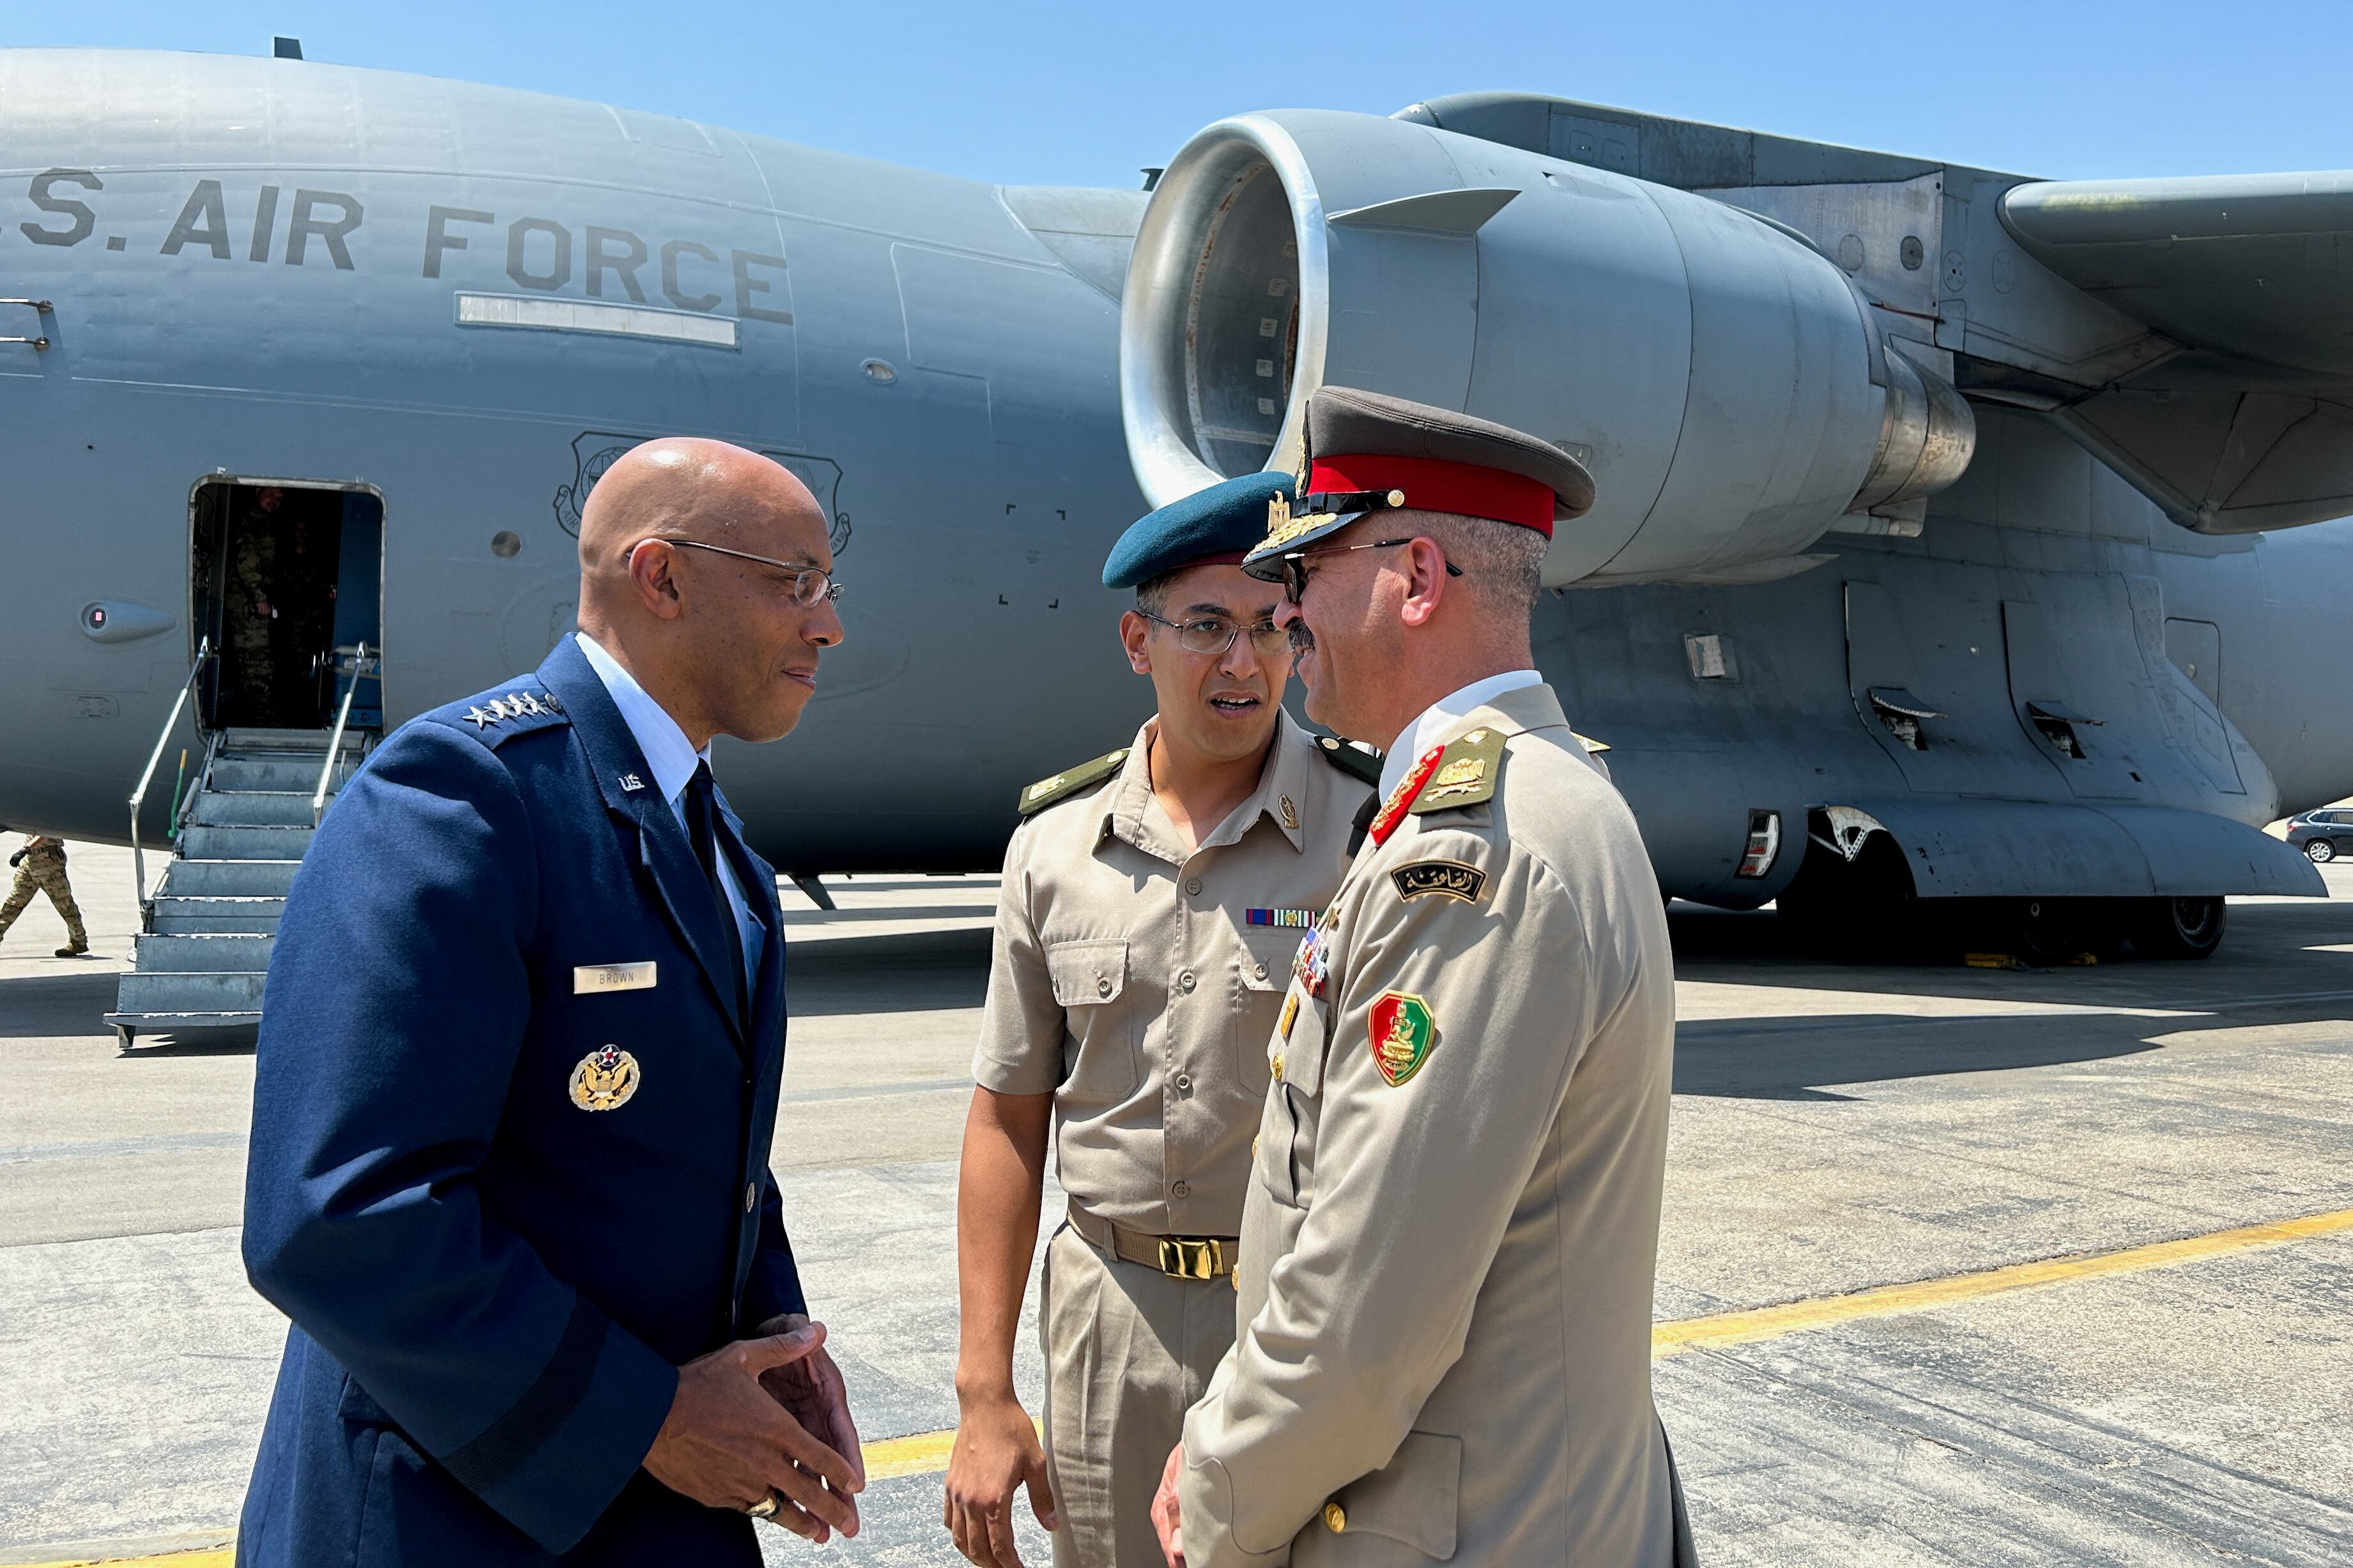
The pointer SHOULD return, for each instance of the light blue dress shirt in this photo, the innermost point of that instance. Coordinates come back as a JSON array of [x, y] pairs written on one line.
[[672, 759]]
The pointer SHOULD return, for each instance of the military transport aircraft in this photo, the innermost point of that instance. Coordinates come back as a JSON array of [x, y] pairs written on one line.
[[1951, 546]]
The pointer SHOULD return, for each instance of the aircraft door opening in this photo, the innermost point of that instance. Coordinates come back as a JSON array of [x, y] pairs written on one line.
[[286, 575]]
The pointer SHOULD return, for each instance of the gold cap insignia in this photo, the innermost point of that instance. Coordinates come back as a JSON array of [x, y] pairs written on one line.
[[605, 1080], [1281, 527]]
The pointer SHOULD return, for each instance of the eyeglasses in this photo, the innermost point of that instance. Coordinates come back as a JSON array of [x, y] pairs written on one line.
[[1294, 568], [811, 585], [1215, 634]]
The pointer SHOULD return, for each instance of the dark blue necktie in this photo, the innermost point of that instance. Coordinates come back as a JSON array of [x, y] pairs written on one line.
[[703, 829]]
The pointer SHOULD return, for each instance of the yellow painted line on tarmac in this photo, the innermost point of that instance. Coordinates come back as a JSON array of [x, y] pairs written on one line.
[[1886, 1300], [926, 1453], [210, 1557]]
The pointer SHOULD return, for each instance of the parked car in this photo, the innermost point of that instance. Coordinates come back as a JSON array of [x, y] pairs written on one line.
[[2323, 835]]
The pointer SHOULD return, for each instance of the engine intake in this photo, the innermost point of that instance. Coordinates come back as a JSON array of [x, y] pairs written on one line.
[[1722, 378]]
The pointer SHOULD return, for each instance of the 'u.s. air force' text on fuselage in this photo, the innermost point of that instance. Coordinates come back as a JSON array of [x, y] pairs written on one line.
[[540, 251]]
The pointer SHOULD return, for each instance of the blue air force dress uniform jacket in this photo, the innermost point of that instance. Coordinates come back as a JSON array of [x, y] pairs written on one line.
[[509, 1165]]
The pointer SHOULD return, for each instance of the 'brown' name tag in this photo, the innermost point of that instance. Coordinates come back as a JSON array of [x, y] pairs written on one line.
[[590, 978]]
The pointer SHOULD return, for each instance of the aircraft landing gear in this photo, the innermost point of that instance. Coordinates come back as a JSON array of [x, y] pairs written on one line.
[[2178, 927], [2043, 932]]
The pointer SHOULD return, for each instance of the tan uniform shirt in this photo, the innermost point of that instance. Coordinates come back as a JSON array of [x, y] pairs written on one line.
[[1447, 1248], [1129, 980]]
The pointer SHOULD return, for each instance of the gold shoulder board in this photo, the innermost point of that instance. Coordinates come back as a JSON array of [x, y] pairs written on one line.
[[1063, 785], [1466, 773]]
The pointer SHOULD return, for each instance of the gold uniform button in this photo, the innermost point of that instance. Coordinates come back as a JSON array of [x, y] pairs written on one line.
[[1278, 1069], [1335, 1518]]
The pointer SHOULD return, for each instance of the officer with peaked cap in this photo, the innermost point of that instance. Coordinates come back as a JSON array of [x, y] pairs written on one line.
[[1452, 1221], [1152, 900]]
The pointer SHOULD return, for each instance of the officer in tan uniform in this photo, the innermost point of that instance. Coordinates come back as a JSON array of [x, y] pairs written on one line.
[[1453, 1222], [1151, 902], [41, 868]]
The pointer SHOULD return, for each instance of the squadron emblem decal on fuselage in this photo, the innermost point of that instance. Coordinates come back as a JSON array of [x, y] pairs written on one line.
[[595, 452]]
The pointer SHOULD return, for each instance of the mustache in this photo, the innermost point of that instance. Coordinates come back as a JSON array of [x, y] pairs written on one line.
[[1302, 639]]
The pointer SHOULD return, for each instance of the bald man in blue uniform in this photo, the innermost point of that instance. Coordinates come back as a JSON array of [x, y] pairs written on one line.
[[517, 1078]]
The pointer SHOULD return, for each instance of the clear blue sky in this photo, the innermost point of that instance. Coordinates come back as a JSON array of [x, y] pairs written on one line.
[[1083, 94]]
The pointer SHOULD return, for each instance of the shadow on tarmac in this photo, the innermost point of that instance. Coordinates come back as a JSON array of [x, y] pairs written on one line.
[[912, 972], [56, 1006], [1796, 1058]]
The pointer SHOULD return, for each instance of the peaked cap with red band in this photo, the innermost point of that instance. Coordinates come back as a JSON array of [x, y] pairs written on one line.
[[1367, 453]]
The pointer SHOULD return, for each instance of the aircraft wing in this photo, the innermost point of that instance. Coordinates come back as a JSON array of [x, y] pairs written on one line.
[[2258, 266], [2252, 426]]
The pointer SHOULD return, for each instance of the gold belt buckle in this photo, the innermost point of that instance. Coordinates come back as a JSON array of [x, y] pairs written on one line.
[[1184, 1257]]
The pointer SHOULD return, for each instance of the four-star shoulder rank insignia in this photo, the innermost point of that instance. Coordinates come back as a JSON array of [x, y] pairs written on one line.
[[605, 1080], [1403, 1031], [513, 705], [1063, 785], [500, 718]]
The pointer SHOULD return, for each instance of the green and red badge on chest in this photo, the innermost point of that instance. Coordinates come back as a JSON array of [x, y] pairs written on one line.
[[1402, 1033]]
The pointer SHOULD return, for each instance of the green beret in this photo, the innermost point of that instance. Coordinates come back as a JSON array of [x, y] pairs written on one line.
[[1220, 523]]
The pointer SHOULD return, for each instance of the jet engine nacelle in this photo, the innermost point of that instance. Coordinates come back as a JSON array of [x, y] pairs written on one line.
[[1721, 377]]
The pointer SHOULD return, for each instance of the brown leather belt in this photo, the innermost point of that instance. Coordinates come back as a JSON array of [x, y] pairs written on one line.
[[1179, 1257]]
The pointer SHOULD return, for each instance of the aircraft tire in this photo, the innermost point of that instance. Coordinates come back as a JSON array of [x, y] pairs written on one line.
[[2180, 928], [2044, 932]]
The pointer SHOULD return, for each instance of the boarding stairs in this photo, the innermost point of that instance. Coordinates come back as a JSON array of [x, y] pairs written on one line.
[[205, 935]]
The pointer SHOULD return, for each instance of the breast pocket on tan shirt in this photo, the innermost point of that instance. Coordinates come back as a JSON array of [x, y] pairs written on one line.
[[1090, 980]]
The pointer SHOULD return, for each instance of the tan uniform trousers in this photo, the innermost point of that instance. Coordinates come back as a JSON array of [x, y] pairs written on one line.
[[1128, 1349], [44, 874]]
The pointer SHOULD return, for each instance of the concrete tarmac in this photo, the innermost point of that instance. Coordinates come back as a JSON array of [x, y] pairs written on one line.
[[1836, 1129]]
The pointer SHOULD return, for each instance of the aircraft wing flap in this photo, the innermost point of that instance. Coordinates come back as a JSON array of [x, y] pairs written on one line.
[[2250, 265]]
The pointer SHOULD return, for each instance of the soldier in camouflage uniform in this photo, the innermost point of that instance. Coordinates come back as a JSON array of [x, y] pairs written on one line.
[[251, 609], [41, 868]]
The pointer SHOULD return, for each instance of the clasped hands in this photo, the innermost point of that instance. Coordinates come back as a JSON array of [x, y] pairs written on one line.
[[761, 1417]]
